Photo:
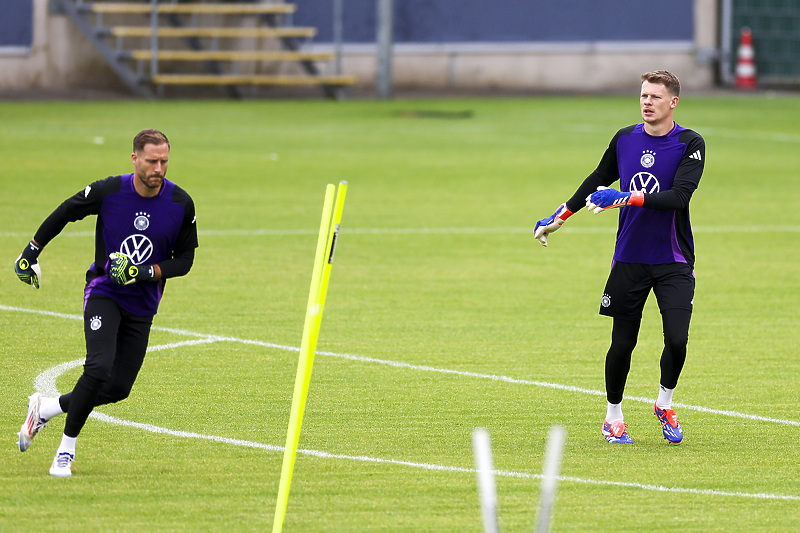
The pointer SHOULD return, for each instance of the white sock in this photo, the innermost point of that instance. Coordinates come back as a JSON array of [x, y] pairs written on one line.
[[49, 408], [67, 445], [664, 400], [614, 412]]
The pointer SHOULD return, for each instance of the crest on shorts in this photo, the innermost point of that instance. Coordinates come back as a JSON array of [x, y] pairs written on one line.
[[95, 323], [605, 301]]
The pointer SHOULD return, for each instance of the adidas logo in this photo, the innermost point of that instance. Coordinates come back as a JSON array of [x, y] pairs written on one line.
[[696, 155]]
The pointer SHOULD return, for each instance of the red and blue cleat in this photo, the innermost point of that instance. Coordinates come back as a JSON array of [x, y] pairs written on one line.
[[669, 424], [615, 433]]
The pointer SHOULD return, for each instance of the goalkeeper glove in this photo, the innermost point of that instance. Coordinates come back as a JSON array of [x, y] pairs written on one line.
[[550, 224], [604, 198], [123, 272], [27, 265]]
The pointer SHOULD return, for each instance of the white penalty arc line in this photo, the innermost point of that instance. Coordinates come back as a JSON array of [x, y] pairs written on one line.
[[206, 338], [46, 384]]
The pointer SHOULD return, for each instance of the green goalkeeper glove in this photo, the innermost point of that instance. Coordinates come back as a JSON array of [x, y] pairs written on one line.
[[123, 272], [27, 265]]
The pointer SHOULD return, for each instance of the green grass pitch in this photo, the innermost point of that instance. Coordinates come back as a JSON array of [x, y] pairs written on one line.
[[443, 314]]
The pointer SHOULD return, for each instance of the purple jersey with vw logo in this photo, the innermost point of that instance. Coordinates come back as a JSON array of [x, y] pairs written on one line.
[[668, 170], [148, 230]]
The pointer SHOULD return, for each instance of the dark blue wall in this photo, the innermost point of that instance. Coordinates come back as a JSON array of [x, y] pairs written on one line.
[[443, 21], [16, 22]]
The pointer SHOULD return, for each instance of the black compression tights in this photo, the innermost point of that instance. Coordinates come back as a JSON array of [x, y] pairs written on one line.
[[116, 343], [623, 341]]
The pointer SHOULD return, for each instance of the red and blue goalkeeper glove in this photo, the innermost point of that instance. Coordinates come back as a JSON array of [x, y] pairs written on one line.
[[604, 198], [548, 225]]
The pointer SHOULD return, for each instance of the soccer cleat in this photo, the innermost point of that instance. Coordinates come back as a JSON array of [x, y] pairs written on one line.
[[669, 424], [615, 433], [62, 465], [33, 423]]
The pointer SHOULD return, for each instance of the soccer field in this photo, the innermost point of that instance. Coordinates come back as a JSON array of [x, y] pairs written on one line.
[[443, 314]]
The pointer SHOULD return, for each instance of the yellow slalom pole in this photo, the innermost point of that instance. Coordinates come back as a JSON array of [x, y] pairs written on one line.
[[326, 245], [333, 236]]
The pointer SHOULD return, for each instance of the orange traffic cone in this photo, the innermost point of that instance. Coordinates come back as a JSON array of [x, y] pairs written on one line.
[[745, 62]]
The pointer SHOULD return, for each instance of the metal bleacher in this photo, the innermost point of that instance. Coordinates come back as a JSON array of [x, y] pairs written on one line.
[[153, 45]]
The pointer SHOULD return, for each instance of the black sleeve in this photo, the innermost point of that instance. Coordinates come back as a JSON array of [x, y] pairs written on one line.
[[606, 173], [77, 207], [183, 252], [687, 177], [179, 265]]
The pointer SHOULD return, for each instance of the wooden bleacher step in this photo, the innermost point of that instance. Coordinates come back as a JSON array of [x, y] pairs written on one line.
[[228, 55], [258, 79], [190, 8], [213, 32]]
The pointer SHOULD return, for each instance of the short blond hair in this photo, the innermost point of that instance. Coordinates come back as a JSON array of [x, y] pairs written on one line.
[[665, 78]]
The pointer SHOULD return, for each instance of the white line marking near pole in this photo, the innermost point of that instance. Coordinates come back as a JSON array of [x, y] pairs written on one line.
[[181, 344], [46, 384], [425, 368], [434, 467], [487, 489]]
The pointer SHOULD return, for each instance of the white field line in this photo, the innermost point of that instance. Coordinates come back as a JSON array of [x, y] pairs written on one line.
[[206, 338], [440, 231], [46, 384], [545, 384]]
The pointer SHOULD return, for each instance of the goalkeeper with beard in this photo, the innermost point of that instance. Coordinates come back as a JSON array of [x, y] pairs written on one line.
[[145, 234]]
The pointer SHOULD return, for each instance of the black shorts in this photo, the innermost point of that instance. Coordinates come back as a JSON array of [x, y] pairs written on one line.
[[629, 285]]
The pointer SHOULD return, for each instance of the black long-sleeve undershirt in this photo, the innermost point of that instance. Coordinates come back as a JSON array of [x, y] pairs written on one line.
[[677, 197], [81, 205]]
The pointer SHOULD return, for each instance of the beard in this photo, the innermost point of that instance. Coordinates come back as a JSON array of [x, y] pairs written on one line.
[[152, 181]]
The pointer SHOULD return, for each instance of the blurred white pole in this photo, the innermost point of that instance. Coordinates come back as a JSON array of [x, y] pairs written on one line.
[[484, 468], [153, 38], [338, 34], [726, 59], [385, 17], [552, 467]]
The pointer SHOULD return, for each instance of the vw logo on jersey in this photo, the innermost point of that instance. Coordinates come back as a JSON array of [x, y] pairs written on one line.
[[142, 221], [645, 182], [648, 158], [138, 247]]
